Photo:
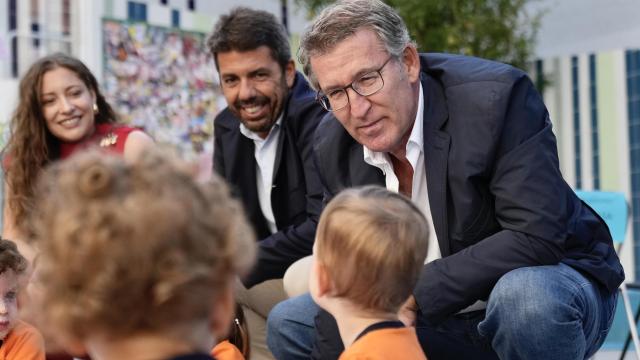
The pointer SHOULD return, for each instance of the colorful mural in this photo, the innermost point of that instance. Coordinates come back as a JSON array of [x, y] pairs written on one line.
[[164, 81]]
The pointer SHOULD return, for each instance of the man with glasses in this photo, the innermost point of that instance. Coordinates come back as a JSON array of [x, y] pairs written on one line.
[[263, 149], [518, 267]]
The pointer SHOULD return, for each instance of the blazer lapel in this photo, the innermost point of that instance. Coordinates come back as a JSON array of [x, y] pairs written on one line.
[[436, 152], [278, 159], [283, 128], [362, 173], [241, 170]]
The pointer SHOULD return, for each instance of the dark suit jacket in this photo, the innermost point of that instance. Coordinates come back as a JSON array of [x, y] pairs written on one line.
[[497, 197], [296, 196]]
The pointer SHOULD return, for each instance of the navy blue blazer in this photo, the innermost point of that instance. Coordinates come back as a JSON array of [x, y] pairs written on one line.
[[296, 196], [497, 197]]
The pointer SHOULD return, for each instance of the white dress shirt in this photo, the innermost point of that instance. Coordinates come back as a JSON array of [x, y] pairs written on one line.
[[419, 195], [415, 156], [265, 155]]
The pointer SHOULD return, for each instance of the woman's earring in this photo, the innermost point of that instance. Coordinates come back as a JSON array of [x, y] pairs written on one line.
[[95, 108]]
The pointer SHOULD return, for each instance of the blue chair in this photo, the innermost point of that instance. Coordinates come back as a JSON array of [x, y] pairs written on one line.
[[612, 207]]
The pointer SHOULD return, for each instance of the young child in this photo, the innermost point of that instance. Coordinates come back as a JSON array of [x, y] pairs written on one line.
[[236, 344], [137, 261], [370, 246], [19, 340]]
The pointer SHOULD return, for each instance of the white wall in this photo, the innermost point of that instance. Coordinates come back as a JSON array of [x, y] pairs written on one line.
[[582, 26], [9, 98], [4, 42], [296, 16], [86, 33]]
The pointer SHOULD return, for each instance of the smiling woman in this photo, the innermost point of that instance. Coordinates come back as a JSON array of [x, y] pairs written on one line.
[[67, 105], [60, 110]]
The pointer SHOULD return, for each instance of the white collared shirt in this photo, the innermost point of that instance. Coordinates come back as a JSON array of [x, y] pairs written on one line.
[[265, 155], [415, 156], [419, 195]]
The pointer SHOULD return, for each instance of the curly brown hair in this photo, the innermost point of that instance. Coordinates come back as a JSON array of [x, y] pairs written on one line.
[[31, 145], [10, 258], [134, 247]]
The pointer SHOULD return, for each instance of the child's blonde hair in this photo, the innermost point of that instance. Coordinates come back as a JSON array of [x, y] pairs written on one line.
[[373, 243], [134, 247]]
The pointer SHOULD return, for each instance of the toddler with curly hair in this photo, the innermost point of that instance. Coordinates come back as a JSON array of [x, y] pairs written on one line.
[[137, 260]]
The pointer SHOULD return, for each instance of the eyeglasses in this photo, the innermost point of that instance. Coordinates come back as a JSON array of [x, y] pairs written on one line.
[[368, 84]]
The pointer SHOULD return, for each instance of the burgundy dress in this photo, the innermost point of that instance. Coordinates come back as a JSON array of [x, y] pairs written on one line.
[[111, 137]]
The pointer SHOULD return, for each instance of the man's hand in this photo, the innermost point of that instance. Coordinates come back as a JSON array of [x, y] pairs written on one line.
[[408, 312]]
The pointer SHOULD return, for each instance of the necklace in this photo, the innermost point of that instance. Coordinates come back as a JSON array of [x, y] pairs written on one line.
[[108, 140]]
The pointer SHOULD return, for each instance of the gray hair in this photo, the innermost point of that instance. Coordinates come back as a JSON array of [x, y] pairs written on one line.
[[343, 19]]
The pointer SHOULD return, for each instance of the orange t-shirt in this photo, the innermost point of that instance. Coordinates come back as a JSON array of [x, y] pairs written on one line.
[[384, 344], [225, 350], [23, 342]]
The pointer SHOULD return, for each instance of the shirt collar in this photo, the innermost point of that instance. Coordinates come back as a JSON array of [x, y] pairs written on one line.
[[415, 142], [417, 135], [255, 137]]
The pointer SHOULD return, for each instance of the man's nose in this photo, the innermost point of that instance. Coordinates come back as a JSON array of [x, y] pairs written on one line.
[[247, 90], [358, 105]]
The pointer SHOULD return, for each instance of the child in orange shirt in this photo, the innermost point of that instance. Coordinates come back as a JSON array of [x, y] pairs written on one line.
[[137, 260], [225, 350], [19, 340], [236, 344], [370, 246]]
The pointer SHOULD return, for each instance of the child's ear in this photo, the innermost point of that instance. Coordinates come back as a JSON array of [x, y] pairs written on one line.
[[222, 313], [325, 285]]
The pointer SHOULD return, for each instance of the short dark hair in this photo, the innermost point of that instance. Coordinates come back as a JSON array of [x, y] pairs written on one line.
[[245, 29], [10, 258]]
